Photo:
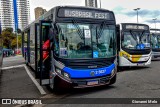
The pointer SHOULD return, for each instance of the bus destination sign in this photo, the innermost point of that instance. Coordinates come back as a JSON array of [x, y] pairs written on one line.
[[137, 27], [79, 13]]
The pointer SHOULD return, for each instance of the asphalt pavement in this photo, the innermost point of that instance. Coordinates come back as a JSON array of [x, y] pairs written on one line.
[[15, 82], [137, 82]]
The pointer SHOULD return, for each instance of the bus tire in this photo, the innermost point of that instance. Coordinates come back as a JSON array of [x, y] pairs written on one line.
[[113, 80]]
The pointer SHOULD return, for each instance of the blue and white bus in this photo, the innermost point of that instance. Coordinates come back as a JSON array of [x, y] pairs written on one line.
[[73, 47], [134, 47], [155, 42]]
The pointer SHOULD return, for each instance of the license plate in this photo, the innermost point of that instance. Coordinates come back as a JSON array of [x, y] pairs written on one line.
[[92, 83], [143, 59]]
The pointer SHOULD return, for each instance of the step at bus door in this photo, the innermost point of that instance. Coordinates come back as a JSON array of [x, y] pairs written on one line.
[[44, 63]]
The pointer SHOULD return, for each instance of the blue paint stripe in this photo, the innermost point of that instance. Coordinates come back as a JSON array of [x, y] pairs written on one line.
[[87, 73]]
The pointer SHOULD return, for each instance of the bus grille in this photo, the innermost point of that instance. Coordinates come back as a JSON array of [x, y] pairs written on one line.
[[88, 64]]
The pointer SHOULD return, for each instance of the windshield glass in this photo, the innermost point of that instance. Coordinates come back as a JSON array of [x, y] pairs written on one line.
[[155, 40], [135, 40], [76, 40]]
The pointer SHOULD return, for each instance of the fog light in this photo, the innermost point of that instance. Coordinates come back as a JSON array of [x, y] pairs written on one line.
[[66, 75]]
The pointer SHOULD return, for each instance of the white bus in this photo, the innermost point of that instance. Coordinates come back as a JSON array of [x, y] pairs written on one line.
[[134, 47]]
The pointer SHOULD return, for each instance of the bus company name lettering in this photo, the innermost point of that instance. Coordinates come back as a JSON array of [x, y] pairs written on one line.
[[96, 72], [86, 14]]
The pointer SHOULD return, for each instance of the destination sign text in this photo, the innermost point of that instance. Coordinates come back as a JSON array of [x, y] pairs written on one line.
[[140, 27], [80, 13]]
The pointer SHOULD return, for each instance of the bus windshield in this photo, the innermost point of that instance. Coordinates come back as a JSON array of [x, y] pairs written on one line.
[[136, 40], [155, 39], [77, 40]]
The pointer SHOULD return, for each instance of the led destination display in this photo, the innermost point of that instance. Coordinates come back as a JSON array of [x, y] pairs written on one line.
[[136, 27], [85, 13]]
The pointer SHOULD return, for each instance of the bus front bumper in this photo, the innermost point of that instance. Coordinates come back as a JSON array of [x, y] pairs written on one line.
[[126, 63], [83, 83]]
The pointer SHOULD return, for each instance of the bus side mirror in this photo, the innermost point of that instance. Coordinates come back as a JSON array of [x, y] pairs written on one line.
[[52, 46]]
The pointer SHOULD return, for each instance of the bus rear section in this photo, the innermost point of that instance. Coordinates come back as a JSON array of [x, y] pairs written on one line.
[[134, 48], [155, 43], [82, 47]]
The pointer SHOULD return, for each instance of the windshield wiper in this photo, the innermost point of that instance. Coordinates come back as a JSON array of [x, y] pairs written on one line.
[[141, 36], [99, 34], [142, 33], [80, 33], [59, 28], [133, 36]]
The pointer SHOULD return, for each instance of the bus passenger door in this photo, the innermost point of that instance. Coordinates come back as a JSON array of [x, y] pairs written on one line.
[[43, 63]]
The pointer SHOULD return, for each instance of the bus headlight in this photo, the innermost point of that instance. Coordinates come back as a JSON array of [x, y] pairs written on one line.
[[62, 73], [125, 56], [58, 71], [115, 62], [113, 72], [66, 75]]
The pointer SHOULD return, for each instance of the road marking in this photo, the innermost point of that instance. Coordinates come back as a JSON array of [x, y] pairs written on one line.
[[34, 81], [11, 67]]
